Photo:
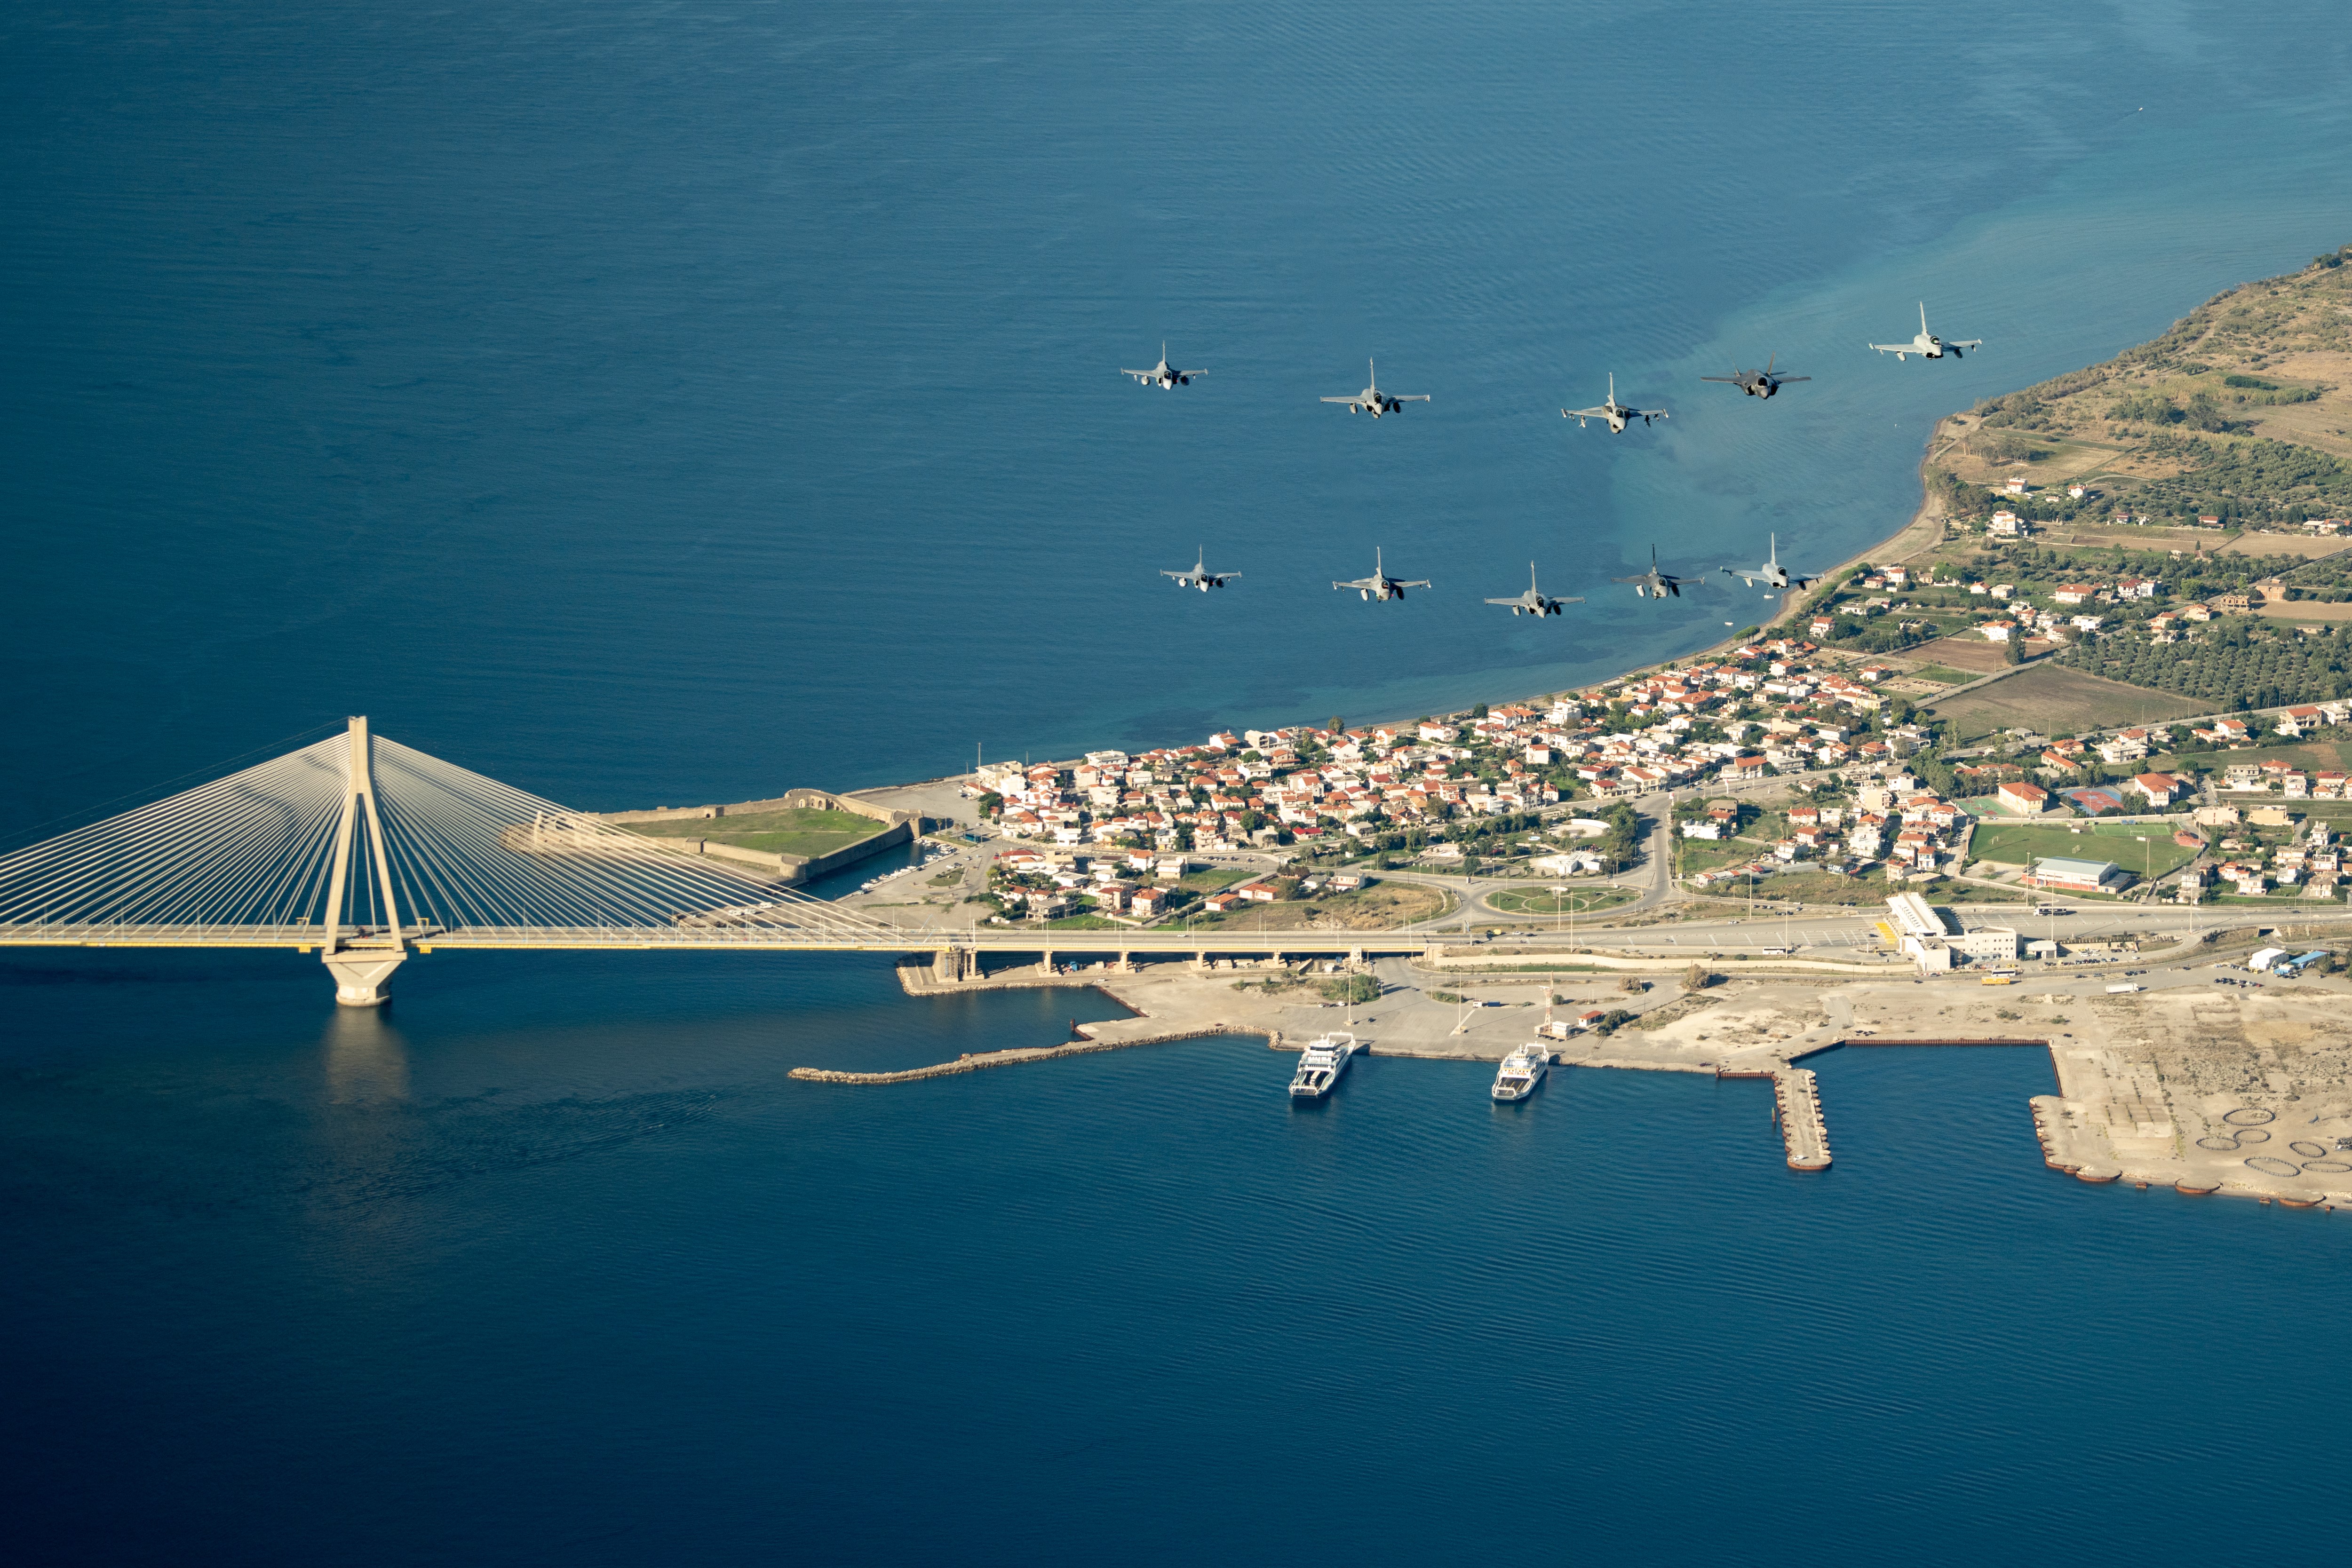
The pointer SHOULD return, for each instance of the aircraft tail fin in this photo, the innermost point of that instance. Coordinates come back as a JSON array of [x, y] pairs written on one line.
[[1923, 316]]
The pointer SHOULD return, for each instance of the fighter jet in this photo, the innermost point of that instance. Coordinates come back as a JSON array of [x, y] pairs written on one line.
[[1200, 577], [1926, 345], [1654, 583], [1376, 402], [1758, 383], [1771, 574], [1380, 585], [1162, 376], [1533, 602], [1618, 415]]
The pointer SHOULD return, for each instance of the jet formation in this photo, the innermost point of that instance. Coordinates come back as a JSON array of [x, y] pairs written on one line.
[[1534, 601], [1380, 585], [1926, 345], [1654, 583], [1374, 400], [1759, 383], [1771, 574], [1200, 577], [1617, 414], [1162, 376]]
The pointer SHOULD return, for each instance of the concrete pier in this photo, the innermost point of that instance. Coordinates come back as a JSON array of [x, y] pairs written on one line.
[[1796, 1111]]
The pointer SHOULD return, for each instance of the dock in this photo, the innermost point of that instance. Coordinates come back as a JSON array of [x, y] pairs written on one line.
[[1796, 1111]]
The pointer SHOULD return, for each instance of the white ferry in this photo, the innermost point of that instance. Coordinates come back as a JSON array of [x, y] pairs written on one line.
[[1521, 1072], [1320, 1064]]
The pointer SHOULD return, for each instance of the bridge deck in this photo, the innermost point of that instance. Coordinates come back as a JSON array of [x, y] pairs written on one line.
[[1014, 939]]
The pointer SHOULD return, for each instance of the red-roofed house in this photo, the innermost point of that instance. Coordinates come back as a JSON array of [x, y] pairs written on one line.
[[2023, 797]]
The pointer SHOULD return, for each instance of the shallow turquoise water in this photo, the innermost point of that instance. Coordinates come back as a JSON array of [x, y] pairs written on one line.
[[649, 404]]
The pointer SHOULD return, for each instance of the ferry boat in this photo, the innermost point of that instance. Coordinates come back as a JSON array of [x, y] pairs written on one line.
[[1320, 1064], [1521, 1072]]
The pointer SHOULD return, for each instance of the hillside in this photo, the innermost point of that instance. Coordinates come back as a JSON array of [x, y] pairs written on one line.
[[2242, 412]]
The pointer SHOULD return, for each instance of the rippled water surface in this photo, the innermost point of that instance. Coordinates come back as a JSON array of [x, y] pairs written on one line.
[[656, 404]]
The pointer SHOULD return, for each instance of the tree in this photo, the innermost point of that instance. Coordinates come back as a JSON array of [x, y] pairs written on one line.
[[1479, 711], [2011, 654]]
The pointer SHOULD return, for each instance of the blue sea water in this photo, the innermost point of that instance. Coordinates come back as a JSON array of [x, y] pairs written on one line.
[[651, 404]]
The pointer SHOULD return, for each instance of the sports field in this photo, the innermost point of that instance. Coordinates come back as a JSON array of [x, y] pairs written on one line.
[[2144, 851]]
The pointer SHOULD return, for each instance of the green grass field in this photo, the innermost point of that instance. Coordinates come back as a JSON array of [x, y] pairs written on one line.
[[800, 832], [1215, 878], [2019, 843], [1540, 901]]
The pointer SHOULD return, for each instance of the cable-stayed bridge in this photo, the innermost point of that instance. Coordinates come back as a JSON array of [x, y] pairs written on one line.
[[365, 851]]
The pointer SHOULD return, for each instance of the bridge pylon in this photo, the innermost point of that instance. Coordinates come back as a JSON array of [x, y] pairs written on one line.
[[362, 957]]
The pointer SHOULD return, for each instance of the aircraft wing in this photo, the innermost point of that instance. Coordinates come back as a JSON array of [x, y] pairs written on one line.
[[1585, 413], [1965, 343], [1750, 577], [1646, 414], [1423, 397], [1784, 381], [1637, 576], [1191, 373], [1224, 576], [1520, 599], [1735, 381], [1796, 582], [1359, 582], [1178, 575], [1139, 376], [1417, 582], [1896, 348]]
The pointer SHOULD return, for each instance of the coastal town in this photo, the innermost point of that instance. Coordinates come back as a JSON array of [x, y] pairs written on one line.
[[1871, 793]]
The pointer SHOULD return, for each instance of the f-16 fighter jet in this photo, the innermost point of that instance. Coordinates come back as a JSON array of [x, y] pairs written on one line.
[[1380, 585], [1618, 415], [1759, 383], [1376, 402], [1771, 574], [1926, 345], [1654, 583], [1200, 577], [1533, 602], [1162, 376]]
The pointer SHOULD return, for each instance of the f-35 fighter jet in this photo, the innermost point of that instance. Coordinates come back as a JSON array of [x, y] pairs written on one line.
[[1771, 574], [1926, 345], [1533, 602], [1200, 577], [1380, 585], [1162, 376], [1617, 414], [1374, 400], [1654, 583], [1759, 383]]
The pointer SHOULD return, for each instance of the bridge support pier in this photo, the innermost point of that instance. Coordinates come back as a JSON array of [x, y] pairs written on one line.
[[361, 964], [362, 979], [1126, 964], [952, 964], [1045, 962]]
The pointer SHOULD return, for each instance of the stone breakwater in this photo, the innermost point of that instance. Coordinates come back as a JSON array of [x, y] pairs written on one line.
[[977, 1061]]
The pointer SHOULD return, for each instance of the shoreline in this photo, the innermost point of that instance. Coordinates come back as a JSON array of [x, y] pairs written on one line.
[[2129, 1110]]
